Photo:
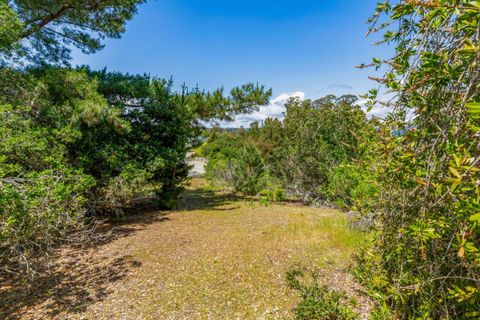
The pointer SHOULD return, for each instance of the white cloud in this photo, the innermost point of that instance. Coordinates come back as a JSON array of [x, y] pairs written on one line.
[[274, 109]]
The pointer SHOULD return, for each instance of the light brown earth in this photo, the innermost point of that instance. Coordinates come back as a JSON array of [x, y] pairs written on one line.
[[218, 257]]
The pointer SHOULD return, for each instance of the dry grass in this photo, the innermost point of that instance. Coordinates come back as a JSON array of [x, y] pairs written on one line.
[[220, 257]]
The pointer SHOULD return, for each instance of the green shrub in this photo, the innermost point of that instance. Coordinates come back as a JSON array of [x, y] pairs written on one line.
[[248, 170], [319, 302], [41, 198], [318, 136], [272, 192], [234, 164], [425, 259], [273, 195], [120, 190], [350, 186]]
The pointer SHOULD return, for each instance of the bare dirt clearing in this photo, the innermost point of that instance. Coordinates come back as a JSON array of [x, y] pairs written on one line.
[[218, 257]]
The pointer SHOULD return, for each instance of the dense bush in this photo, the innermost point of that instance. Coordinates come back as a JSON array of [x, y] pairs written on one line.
[[319, 136], [266, 136], [272, 192], [234, 163], [350, 186], [41, 196], [425, 258], [44, 190]]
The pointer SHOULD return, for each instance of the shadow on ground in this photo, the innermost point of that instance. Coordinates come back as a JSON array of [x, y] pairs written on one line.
[[204, 199], [75, 276], [67, 288]]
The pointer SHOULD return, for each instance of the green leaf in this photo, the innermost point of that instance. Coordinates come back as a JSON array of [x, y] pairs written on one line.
[[475, 3], [475, 217], [457, 159], [455, 172], [473, 109]]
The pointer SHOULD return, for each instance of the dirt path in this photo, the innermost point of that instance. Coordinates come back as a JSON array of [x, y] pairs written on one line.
[[219, 257]]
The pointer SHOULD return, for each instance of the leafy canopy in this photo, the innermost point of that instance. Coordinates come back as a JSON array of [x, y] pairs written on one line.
[[42, 31]]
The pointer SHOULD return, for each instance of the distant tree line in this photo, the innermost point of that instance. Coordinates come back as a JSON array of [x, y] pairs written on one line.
[[314, 153]]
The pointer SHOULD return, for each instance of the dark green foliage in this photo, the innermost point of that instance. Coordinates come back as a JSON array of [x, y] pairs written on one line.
[[317, 301], [247, 170], [67, 106], [46, 190], [42, 31], [157, 140], [319, 136], [267, 136], [61, 157], [42, 198]]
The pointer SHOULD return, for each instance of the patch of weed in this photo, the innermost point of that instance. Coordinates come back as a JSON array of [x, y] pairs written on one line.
[[318, 301]]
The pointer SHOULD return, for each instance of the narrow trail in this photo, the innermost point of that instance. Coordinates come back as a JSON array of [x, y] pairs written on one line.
[[218, 257]]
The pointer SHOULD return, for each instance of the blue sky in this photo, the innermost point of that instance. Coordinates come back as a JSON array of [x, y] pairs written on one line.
[[304, 46]]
